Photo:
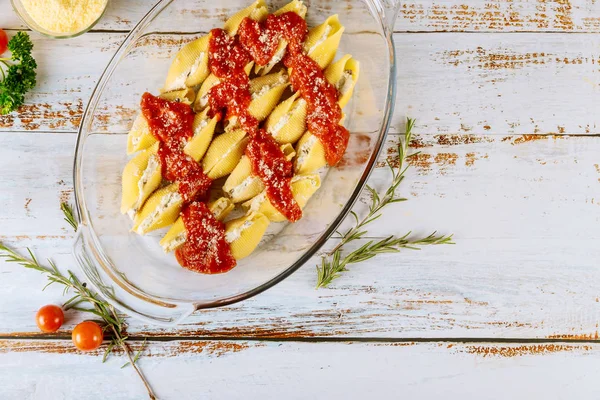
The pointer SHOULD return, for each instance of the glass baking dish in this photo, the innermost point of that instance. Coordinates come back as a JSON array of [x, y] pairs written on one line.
[[131, 271]]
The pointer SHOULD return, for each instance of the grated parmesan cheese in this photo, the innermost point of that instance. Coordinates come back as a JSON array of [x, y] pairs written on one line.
[[64, 16]]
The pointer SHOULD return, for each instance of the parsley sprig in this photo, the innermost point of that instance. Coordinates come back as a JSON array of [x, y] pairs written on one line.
[[17, 73], [333, 264]]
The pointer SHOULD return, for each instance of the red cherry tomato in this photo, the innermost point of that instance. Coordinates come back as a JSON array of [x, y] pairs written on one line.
[[49, 318], [3, 41], [87, 336]]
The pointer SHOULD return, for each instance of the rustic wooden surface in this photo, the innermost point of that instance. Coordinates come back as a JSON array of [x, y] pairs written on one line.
[[507, 95]]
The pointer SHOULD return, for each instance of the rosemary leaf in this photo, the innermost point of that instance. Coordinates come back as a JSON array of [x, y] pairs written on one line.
[[111, 320], [69, 215], [333, 264]]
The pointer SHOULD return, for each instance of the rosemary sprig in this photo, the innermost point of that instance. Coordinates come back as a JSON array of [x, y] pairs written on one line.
[[83, 300], [69, 215], [333, 264]]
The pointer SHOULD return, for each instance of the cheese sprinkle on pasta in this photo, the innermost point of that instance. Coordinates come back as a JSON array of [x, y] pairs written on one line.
[[64, 16]]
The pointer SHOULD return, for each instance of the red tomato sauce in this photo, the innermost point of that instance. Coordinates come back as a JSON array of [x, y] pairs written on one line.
[[171, 124], [324, 114], [205, 249], [275, 171], [227, 59]]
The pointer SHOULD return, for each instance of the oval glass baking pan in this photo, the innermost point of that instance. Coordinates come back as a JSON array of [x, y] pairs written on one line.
[[131, 271]]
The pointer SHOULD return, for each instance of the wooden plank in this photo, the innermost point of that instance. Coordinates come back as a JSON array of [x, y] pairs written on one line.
[[257, 370], [414, 16], [525, 214], [532, 84]]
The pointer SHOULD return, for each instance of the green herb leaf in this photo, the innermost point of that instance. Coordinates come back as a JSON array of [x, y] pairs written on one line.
[[329, 270], [18, 73], [110, 319]]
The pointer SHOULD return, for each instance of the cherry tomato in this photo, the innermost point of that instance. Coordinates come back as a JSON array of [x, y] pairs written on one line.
[[87, 336], [3, 41], [49, 318]]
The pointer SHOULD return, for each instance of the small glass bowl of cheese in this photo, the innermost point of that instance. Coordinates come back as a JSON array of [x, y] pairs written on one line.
[[60, 19]]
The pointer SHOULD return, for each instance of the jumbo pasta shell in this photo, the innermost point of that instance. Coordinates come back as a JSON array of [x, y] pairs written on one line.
[[245, 233], [310, 155], [323, 41], [204, 129], [160, 210], [287, 122], [303, 187], [299, 8], [177, 234], [211, 80], [190, 66], [296, 6], [139, 136], [241, 185], [266, 93], [224, 153], [186, 96], [277, 57], [201, 101], [141, 177], [221, 208], [257, 11], [175, 237], [343, 74]]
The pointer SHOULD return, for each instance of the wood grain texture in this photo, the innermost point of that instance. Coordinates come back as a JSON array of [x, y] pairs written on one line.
[[496, 168], [525, 214], [257, 370], [414, 16], [453, 83]]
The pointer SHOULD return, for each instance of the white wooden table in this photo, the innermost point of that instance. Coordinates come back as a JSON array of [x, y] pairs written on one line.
[[507, 94]]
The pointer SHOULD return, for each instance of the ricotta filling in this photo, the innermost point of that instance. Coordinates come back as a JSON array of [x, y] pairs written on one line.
[[235, 234], [167, 201]]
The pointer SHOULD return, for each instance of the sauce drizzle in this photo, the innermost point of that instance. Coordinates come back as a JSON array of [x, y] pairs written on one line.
[[171, 124], [228, 56], [205, 249]]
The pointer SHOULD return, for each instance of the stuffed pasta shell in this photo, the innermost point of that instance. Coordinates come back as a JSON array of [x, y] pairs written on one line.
[[186, 96], [257, 11], [224, 153], [343, 74], [203, 131], [266, 92], [139, 136], [190, 66], [303, 187], [141, 177], [242, 185], [287, 122], [323, 41], [297, 7], [160, 210], [201, 101], [245, 233], [176, 236], [310, 153]]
